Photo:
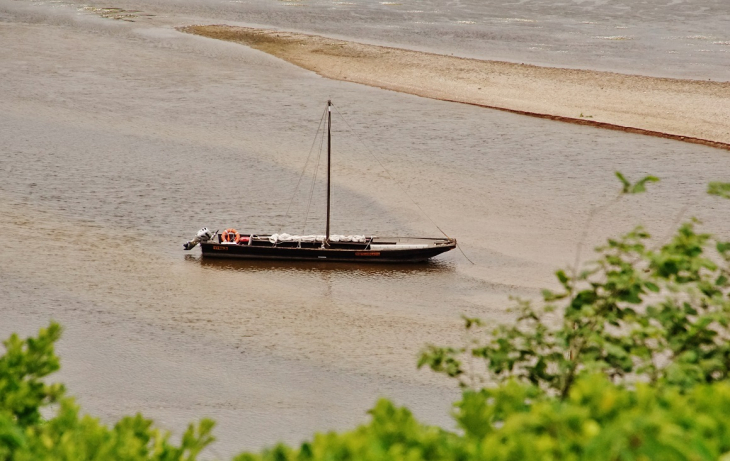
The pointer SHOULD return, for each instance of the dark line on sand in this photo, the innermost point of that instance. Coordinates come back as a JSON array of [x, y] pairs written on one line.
[[593, 123]]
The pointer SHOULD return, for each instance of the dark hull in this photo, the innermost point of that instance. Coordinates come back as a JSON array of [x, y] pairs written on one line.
[[436, 247]]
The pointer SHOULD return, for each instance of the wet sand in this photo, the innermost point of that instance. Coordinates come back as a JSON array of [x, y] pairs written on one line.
[[687, 110]]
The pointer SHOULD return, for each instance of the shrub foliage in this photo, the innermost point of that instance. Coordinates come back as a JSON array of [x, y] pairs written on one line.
[[598, 421], [26, 435], [637, 314]]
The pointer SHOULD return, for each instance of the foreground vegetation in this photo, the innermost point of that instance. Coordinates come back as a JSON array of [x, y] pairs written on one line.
[[630, 361]]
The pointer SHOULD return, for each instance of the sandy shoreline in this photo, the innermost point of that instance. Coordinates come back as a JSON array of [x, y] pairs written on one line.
[[687, 110]]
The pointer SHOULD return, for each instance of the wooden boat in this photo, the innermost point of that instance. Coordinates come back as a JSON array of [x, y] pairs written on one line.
[[327, 247]]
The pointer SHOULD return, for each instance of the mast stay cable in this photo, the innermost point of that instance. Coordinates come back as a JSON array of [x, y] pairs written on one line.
[[390, 175], [397, 183], [294, 194], [314, 181]]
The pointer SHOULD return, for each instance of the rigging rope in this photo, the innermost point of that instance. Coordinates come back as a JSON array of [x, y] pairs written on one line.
[[314, 141], [314, 179], [389, 175], [464, 254], [397, 183], [370, 151]]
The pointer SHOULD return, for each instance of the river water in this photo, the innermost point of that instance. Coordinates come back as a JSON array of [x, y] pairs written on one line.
[[120, 139]]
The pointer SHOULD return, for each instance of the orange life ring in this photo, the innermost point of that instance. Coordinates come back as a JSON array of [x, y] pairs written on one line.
[[230, 235]]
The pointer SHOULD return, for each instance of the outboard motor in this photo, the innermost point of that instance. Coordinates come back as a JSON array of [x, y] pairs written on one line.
[[203, 236]]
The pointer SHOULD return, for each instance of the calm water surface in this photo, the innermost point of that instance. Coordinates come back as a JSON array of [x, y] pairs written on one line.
[[669, 38]]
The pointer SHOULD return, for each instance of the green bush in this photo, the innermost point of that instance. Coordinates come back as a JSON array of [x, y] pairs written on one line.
[[25, 435], [597, 421], [638, 314]]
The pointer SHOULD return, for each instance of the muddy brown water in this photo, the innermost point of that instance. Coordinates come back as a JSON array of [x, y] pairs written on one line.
[[121, 139]]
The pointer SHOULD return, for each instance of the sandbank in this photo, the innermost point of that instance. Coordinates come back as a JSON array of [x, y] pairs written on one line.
[[687, 110]]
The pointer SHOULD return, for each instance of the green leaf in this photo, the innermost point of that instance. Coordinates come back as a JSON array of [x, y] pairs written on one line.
[[562, 277], [640, 186], [471, 321], [636, 188], [651, 287], [624, 181], [720, 189], [549, 296]]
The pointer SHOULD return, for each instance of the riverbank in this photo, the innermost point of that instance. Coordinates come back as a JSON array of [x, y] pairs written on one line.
[[686, 110]]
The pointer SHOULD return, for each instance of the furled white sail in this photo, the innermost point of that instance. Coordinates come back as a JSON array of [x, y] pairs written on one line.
[[284, 237]]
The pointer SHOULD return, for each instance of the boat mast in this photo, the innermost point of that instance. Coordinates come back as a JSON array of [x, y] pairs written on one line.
[[329, 151]]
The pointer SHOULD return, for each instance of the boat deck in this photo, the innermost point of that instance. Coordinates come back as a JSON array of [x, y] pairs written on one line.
[[384, 242], [370, 249]]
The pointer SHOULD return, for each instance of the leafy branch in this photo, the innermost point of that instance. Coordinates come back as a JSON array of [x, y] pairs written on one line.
[[635, 314], [25, 435]]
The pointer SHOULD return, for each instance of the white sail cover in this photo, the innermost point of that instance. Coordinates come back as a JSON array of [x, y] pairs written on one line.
[[276, 238]]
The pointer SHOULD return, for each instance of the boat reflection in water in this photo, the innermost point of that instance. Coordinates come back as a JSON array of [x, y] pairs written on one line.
[[350, 268]]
